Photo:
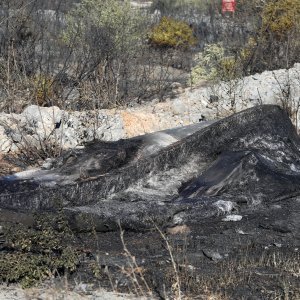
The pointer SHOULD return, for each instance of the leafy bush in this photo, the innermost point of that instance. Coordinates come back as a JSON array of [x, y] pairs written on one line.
[[207, 63], [172, 33], [212, 64], [118, 26], [274, 39], [228, 68], [281, 17], [35, 254], [248, 49]]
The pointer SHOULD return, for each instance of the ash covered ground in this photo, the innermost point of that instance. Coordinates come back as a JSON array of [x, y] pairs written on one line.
[[226, 195]]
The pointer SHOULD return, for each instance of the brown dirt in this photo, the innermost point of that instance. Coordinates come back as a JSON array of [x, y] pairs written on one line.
[[137, 123]]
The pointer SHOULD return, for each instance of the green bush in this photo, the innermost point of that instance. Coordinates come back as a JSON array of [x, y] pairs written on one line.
[[207, 61], [281, 17], [172, 33], [115, 26], [35, 254], [213, 64], [274, 40]]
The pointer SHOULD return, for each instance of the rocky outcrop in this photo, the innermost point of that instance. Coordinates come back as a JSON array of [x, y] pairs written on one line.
[[170, 177], [40, 126]]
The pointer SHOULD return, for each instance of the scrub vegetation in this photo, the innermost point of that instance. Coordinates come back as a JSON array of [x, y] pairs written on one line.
[[30, 255], [99, 54]]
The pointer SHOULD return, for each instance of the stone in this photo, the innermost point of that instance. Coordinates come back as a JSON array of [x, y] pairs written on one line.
[[213, 255], [48, 115], [176, 85], [70, 129], [111, 128], [178, 107], [48, 164], [16, 137], [224, 206], [232, 218], [42, 120]]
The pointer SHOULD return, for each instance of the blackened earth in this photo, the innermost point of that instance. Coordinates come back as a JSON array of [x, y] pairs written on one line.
[[257, 257], [226, 196]]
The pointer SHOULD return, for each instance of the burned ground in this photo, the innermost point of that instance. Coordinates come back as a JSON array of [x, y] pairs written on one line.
[[233, 185]]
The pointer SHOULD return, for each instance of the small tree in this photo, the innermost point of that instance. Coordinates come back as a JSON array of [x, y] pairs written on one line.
[[214, 65]]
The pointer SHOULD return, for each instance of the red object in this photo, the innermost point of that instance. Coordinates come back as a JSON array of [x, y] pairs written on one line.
[[228, 5]]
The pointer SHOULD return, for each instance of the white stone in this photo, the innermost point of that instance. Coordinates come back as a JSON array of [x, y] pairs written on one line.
[[42, 120], [47, 115], [178, 107], [233, 218], [224, 206]]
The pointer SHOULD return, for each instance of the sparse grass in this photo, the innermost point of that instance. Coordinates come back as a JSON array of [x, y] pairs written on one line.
[[272, 274]]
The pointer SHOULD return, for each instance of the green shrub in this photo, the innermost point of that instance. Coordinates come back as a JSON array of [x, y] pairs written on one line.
[[207, 61], [213, 64], [228, 68], [248, 49], [274, 43], [35, 254], [115, 26], [172, 33], [281, 17]]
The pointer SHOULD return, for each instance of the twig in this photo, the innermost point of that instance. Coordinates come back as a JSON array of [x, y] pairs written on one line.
[[177, 284]]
